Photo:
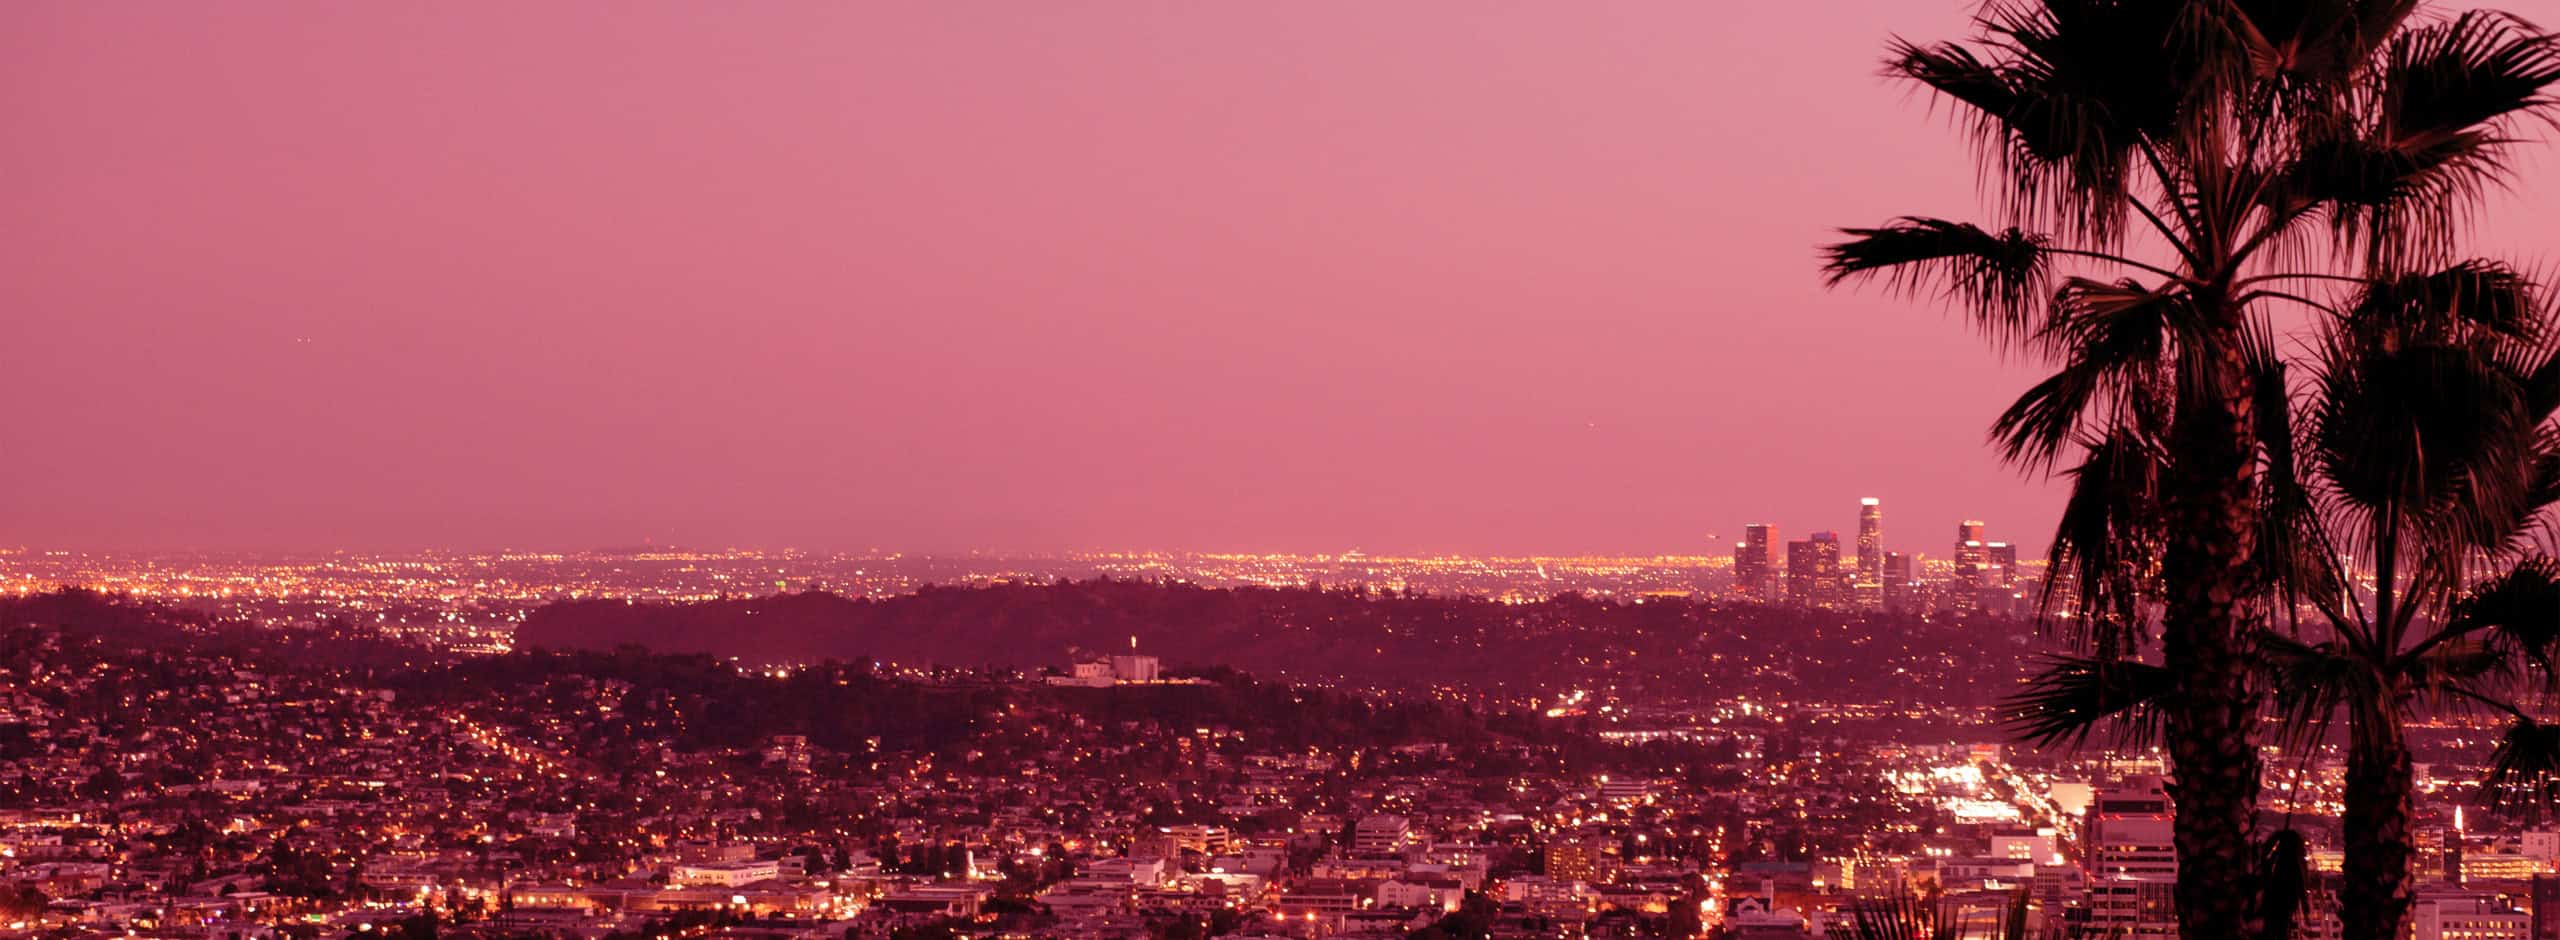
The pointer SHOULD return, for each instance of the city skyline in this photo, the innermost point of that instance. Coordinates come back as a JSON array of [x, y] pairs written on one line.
[[1713, 543]]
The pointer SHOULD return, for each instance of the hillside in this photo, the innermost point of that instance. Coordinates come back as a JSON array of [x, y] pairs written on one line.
[[1334, 634]]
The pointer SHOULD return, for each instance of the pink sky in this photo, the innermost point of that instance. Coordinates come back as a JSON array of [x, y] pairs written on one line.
[[1306, 276]]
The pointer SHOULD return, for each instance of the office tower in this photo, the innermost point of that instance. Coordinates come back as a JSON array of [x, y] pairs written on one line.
[[1998, 592], [1813, 571], [2133, 861], [1754, 576], [1831, 577], [1964, 588], [1800, 571], [1969, 553], [2001, 561], [1870, 580], [1898, 593]]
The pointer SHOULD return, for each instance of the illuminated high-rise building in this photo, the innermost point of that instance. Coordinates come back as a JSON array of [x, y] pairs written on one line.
[[1754, 574], [1814, 577], [2000, 560], [1969, 554], [1900, 589], [1870, 580], [1992, 588]]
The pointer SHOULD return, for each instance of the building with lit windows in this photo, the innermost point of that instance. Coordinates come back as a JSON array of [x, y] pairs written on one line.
[[1901, 591], [1576, 861], [2000, 564], [1754, 574], [724, 874], [1382, 834], [1969, 559], [1869, 587], [2133, 861], [2467, 915], [1813, 571]]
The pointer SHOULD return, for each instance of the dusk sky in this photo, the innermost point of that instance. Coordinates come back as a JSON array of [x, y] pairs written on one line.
[[1465, 277]]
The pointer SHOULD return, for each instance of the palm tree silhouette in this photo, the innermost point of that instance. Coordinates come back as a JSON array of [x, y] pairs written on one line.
[[2209, 163], [2420, 458]]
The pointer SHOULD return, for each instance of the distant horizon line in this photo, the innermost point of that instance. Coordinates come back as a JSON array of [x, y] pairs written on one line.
[[25, 551]]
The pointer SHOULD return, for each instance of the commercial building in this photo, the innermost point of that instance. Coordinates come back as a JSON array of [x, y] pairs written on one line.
[[1754, 574], [1813, 571], [1869, 587]]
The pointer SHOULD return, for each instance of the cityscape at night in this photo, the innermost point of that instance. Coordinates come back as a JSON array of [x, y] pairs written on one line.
[[477, 599], [1744, 743], [1326, 470]]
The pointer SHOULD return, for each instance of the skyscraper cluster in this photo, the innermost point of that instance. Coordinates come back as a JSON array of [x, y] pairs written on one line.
[[1986, 572], [1982, 574]]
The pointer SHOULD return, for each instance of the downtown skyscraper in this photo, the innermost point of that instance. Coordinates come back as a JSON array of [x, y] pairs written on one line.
[[1901, 590], [1755, 575], [1970, 556], [1869, 584], [2000, 564], [1814, 578]]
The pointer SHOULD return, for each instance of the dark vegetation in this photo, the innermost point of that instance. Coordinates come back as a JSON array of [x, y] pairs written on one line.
[[1670, 646], [153, 665]]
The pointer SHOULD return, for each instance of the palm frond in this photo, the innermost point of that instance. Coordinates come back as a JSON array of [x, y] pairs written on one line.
[[2283, 877], [2459, 78], [2316, 46], [2476, 295], [2292, 551], [2400, 181], [2542, 386], [2035, 428], [1955, 72], [2519, 612], [1896, 918], [1909, 917], [2061, 95], [2524, 772], [2119, 325], [2112, 338], [1995, 277], [2542, 490], [2312, 682], [2073, 695], [2441, 668], [2422, 429], [2107, 545]]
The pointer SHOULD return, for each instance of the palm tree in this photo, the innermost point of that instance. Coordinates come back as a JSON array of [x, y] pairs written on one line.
[[2421, 456], [1926, 917], [2205, 163]]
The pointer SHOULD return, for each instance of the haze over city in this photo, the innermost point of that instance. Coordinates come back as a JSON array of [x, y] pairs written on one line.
[[1503, 278]]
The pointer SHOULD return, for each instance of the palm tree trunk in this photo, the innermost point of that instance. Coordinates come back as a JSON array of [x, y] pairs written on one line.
[[2213, 607], [2374, 898]]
